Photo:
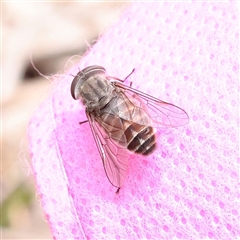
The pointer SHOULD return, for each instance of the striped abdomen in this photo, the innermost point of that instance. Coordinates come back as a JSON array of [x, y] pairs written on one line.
[[140, 138], [128, 125]]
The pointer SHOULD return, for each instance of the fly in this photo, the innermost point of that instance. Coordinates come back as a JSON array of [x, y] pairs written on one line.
[[121, 118]]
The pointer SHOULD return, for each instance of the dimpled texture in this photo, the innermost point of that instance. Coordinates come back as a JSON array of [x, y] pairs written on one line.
[[183, 53]]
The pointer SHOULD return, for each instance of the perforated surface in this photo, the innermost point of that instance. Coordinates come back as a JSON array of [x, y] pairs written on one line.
[[186, 54]]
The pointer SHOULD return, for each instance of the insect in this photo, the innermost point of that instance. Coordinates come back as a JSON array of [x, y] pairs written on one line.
[[121, 118]]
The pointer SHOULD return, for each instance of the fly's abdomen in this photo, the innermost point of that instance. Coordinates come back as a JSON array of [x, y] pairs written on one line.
[[128, 125], [140, 138]]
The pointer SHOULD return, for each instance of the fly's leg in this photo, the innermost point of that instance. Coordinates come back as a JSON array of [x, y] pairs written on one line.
[[83, 122], [120, 80], [129, 75]]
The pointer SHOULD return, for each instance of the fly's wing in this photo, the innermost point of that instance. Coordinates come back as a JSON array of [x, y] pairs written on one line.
[[163, 114], [114, 157]]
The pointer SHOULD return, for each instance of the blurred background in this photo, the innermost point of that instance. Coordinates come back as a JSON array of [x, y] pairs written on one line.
[[54, 35]]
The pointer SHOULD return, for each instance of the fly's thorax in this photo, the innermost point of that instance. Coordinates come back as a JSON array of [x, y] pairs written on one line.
[[96, 92]]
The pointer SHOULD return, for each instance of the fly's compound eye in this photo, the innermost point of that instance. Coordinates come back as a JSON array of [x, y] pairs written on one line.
[[82, 76]]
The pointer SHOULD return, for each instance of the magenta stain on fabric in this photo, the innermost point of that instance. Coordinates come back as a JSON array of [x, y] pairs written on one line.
[[183, 53]]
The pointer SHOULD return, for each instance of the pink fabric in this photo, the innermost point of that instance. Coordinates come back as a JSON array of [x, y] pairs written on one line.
[[183, 53]]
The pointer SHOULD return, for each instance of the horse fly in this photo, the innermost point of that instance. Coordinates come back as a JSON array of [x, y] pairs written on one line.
[[121, 118]]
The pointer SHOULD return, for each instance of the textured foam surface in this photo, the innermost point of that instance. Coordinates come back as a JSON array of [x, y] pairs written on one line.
[[186, 54]]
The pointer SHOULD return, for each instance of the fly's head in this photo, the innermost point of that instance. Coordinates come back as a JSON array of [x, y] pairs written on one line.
[[93, 87], [82, 77]]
